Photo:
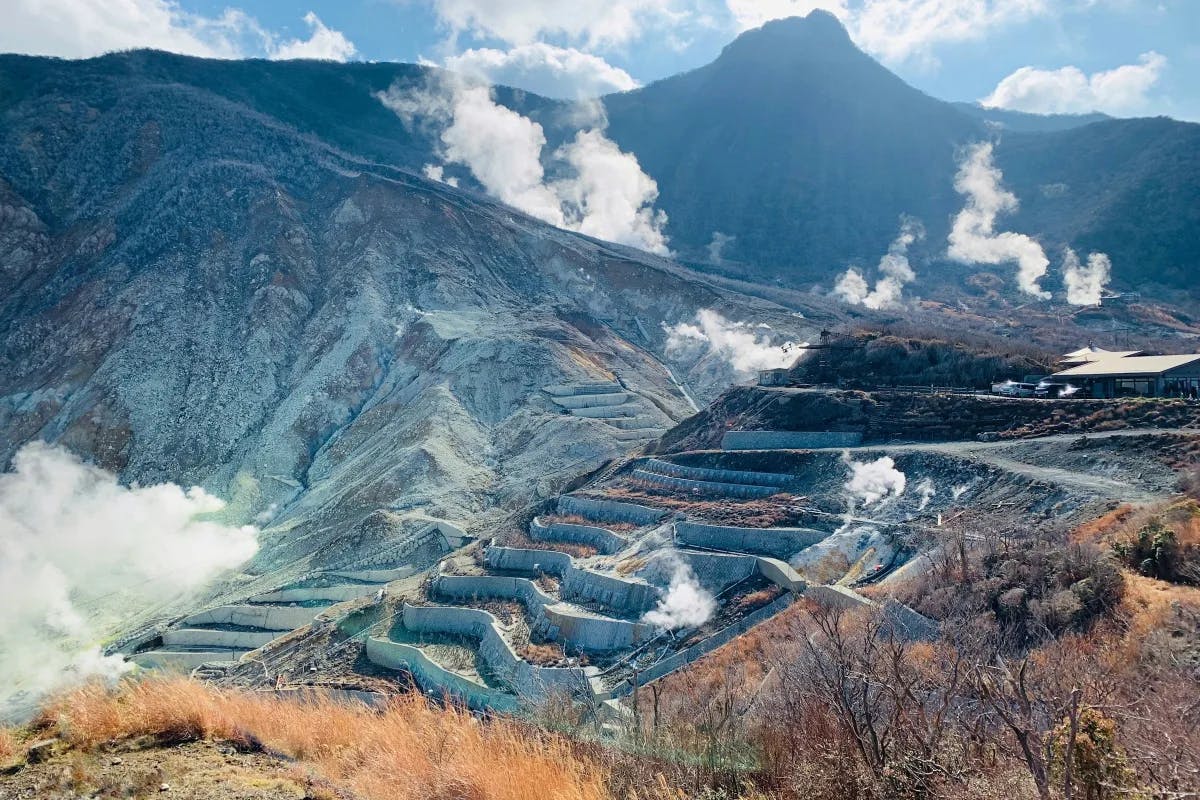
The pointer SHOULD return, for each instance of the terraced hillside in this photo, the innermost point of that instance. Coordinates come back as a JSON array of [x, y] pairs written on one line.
[[658, 560]]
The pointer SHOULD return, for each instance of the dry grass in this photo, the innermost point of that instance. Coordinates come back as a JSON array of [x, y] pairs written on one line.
[[575, 519], [9, 747], [543, 655], [630, 565], [573, 550], [411, 750]]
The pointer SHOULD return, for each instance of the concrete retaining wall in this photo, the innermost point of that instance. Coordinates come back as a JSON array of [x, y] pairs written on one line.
[[330, 594], [375, 575], [602, 539], [595, 634], [436, 680], [525, 679], [609, 510], [520, 559], [624, 596], [636, 434], [779, 542], [704, 487], [605, 412], [271, 618], [484, 587], [781, 574], [207, 637], [718, 475], [592, 400], [589, 387], [838, 596], [789, 440], [718, 571], [685, 657], [183, 660]]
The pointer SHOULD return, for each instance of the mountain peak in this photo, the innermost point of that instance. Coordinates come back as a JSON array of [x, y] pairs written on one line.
[[819, 32]]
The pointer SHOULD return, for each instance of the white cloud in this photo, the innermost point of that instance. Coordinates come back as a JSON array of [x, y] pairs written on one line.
[[1086, 283], [745, 347], [973, 237], [604, 192], [79, 552], [898, 30], [594, 23], [324, 43], [1122, 90], [546, 69], [894, 273], [86, 28]]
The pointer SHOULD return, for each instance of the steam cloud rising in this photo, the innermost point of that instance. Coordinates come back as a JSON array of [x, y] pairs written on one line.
[[973, 237], [870, 482], [894, 273], [686, 603], [607, 195], [746, 348], [78, 552], [1086, 283]]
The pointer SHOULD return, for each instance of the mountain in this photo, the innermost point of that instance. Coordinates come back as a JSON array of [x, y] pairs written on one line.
[[195, 290], [1007, 120], [807, 151]]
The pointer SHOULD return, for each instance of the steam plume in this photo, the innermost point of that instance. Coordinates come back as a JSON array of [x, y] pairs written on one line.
[[686, 603], [927, 492], [744, 347], [870, 482], [605, 194], [1086, 284], [973, 237], [894, 272], [79, 552]]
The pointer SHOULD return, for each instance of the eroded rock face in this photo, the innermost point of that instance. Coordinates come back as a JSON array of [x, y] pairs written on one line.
[[196, 292]]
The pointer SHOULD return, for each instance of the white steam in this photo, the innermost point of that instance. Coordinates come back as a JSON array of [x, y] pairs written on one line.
[[746, 348], [716, 247], [686, 603], [927, 491], [894, 273], [79, 552], [1086, 283], [870, 482], [973, 237], [605, 194]]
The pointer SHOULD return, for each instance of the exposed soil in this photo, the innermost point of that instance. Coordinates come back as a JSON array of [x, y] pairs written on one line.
[[141, 768]]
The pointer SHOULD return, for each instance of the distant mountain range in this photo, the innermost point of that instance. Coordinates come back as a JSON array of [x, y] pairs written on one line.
[[800, 150]]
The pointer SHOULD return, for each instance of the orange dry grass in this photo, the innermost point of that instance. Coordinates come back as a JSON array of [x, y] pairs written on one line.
[[411, 750], [8, 746], [1104, 526]]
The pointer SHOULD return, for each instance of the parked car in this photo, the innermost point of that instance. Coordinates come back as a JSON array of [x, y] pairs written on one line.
[[1014, 389], [1055, 389]]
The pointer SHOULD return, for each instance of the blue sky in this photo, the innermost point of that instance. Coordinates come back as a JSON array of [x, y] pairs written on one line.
[[1125, 57]]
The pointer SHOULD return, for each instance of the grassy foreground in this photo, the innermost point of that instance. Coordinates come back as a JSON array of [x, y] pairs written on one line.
[[410, 750]]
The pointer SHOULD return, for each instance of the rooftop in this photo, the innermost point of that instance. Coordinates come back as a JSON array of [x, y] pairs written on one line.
[[1116, 364], [1089, 354]]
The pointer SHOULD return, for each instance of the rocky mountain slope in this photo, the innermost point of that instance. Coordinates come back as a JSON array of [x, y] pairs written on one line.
[[807, 152], [194, 290]]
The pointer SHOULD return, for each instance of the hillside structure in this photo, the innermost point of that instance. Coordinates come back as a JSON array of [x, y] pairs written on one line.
[[1107, 374]]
